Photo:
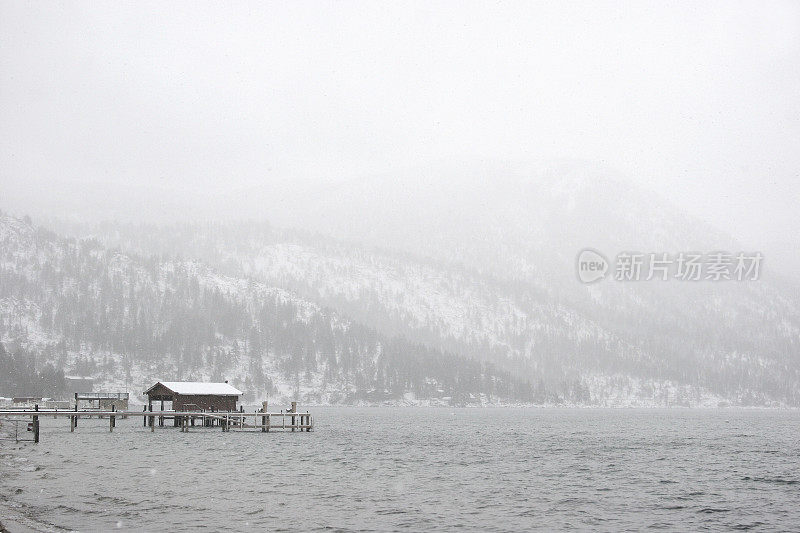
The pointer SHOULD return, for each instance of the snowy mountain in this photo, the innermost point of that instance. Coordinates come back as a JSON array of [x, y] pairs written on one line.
[[486, 269]]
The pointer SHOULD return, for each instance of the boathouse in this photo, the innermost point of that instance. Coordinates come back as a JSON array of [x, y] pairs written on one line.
[[78, 383], [194, 395]]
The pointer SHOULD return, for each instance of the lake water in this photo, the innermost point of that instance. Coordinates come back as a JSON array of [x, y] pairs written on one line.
[[385, 469]]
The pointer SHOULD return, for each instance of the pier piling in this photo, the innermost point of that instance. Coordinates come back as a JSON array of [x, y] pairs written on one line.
[[36, 425]]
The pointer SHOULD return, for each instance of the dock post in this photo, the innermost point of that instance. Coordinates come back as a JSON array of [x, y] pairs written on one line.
[[111, 419], [71, 424], [144, 417], [76, 415], [263, 417], [36, 425], [161, 417], [152, 420], [294, 410]]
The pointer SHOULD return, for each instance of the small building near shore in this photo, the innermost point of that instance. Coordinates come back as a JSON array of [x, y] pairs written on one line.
[[27, 401], [78, 383], [105, 400], [194, 395], [57, 404]]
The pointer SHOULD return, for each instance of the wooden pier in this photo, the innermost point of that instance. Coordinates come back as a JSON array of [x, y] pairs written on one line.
[[260, 420]]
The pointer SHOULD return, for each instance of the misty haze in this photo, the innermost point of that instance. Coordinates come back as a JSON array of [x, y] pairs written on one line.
[[399, 266]]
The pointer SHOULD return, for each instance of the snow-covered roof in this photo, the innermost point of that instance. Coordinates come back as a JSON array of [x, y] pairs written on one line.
[[199, 387]]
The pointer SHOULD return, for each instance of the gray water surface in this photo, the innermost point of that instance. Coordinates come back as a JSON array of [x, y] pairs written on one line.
[[385, 469]]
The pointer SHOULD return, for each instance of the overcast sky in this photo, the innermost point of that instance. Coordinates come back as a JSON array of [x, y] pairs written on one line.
[[698, 100]]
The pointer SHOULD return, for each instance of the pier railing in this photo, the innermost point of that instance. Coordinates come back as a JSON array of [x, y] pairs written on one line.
[[227, 420], [16, 435]]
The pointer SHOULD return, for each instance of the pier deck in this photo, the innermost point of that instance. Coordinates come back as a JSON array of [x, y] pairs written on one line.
[[262, 421]]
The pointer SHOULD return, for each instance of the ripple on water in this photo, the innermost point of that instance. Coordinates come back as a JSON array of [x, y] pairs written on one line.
[[776, 480]]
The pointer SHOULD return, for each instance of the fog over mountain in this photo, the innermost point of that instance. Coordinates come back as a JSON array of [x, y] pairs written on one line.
[[485, 275]]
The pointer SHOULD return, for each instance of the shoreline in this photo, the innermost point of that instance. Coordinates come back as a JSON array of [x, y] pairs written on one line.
[[16, 517], [24, 524], [20, 521]]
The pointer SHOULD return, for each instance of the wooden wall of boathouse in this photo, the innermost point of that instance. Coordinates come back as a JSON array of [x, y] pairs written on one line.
[[192, 402]]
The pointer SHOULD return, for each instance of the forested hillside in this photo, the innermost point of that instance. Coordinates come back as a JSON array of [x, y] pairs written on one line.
[[128, 320], [21, 376]]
